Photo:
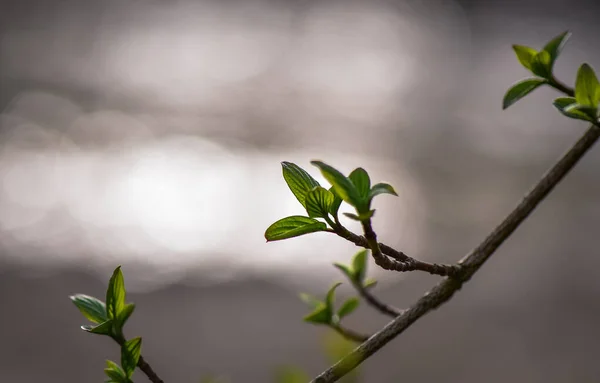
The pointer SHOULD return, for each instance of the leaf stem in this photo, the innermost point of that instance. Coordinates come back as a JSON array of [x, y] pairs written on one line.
[[375, 302], [349, 334], [556, 84]]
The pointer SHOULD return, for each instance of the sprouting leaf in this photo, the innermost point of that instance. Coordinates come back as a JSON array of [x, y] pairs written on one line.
[[104, 328], [370, 282], [298, 180], [587, 88], [330, 298], [348, 272], [115, 294], [124, 315], [93, 309], [335, 205], [520, 90], [115, 372], [359, 265], [362, 216], [381, 188], [321, 315], [362, 182], [293, 226], [525, 55], [310, 300], [291, 375], [318, 202], [564, 105], [342, 185], [130, 355], [348, 307], [589, 111], [554, 46], [352, 216], [541, 65]]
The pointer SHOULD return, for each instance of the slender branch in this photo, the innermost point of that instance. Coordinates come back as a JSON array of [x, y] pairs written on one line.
[[561, 87], [349, 334], [375, 302], [444, 290]]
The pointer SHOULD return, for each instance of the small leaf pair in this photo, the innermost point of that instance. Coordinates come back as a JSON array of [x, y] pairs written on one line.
[[584, 106], [130, 355], [357, 270], [324, 311], [539, 63]]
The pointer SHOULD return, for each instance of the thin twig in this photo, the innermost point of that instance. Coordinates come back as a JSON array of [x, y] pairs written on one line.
[[443, 291], [375, 302], [350, 334]]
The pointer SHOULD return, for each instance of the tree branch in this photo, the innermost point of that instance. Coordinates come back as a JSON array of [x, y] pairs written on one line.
[[375, 302], [349, 334], [146, 369], [443, 291]]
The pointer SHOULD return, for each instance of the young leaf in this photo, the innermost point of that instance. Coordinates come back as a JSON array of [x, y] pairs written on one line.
[[359, 265], [321, 315], [342, 185], [541, 65], [361, 217], [525, 55], [337, 202], [93, 309], [124, 315], [298, 180], [318, 202], [589, 111], [291, 375], [520, 90], [293, 226], [362, 182], [330, 298], [352, 216], [313, 302], [130, 355], [554, 47], [348, 272], [104, 328], [381, 188], [348, 307], [115, 372], [115, 294], [587, 88], [564, 105], [370, 282]]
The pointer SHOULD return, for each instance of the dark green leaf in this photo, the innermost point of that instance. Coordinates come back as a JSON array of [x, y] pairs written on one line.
[[359, 265], [554, 47], [335, 205], [348, 307], [361, 217], [92, 308], [348, 272], [520, 90], [330, 298], [104, 328], [130, 354], [291, 375], [115, 294], [541, 65], [293, 226], [381, 188], [321, 315], [342, 185], [563, 104], [587, 88], [298, 180], [352, 216], [525, 55], [318, 202], [124, 315], [310, 300], [362, 182]]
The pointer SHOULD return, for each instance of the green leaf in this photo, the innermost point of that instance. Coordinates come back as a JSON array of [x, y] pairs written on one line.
[[293, 226], [298, 180], [370, 282], [291, 375], [348, 307], [587, 88], [321, 315], [93, 309], [348, 272], [359, 265], [337, 202], [104, 328], [318, 202], [124, 315], [342, 184], [563, 104], [115, 372], [589, 111], [520, 90], [361, 217], [541, 65], [525, 55], [352, 216], [130, 355], [362, 182], [381, 188], [330, 298], [554, 47], [115, 294], [310, 300]]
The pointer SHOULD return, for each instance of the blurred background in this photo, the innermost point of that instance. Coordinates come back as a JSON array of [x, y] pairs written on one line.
[[150, 134]]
